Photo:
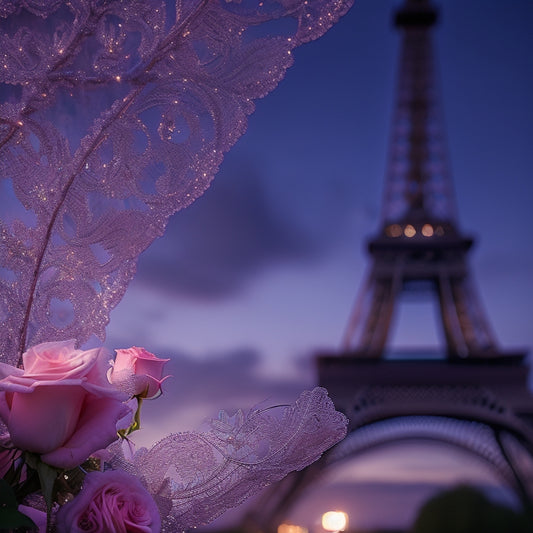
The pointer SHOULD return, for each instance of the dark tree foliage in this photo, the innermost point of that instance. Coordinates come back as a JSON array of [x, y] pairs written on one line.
[[465, 509]]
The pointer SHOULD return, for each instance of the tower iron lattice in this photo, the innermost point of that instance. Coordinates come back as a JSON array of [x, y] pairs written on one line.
[[475, 396], [419, 246]]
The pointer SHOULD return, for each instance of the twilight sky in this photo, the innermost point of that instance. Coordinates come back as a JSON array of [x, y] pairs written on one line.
[[263, 270]]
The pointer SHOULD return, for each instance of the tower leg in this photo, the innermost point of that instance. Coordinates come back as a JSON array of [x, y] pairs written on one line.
[[450, 320]]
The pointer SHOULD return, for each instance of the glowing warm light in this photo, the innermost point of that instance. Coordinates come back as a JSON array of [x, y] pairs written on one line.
[[394, 230], [427, 230], [291, 528], [409, 231], [334, 521]]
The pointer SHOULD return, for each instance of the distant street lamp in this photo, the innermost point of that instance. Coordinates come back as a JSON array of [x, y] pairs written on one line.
[[334, 521]]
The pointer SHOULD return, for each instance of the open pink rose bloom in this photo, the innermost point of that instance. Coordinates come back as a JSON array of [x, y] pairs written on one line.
[[61, 404], [111, 501]]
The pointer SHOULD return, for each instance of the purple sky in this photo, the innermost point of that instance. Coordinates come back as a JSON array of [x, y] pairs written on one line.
[[263, 270]]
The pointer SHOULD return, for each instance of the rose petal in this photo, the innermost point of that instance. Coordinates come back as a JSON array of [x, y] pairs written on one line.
[[57, 360], [97, 375], [9, 370], [49, 412], [153, 367], [4, 407], [96, 429], [39, 517], [124, 360]]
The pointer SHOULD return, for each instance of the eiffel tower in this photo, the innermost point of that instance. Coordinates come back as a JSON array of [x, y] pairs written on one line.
[[475, 396], [419, 246]]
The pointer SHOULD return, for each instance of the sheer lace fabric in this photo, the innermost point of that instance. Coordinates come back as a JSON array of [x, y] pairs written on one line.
[[194, 477], [113, 116]]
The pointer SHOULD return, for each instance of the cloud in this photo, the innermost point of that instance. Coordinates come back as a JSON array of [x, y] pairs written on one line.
[[212, 248]]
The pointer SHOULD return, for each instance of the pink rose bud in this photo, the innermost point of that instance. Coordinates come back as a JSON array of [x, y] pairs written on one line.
[[138, 372]]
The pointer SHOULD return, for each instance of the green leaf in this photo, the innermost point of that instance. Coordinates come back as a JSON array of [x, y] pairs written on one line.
[[47, 477], [13, 519], [7, 496], [30, 485], [12, 475], [32, 460]]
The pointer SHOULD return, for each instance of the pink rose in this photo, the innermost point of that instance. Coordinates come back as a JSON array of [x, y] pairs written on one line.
[[110, 502], [138, 372], [61, 405]]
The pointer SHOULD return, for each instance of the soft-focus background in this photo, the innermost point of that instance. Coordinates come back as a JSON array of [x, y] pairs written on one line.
[[262, 271]]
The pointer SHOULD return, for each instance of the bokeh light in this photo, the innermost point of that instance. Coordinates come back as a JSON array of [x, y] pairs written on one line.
[[427, 230], [334, 521], [409, 230], [291, 528]]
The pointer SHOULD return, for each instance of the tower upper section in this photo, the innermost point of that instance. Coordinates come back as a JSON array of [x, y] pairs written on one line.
[[418, 185]]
